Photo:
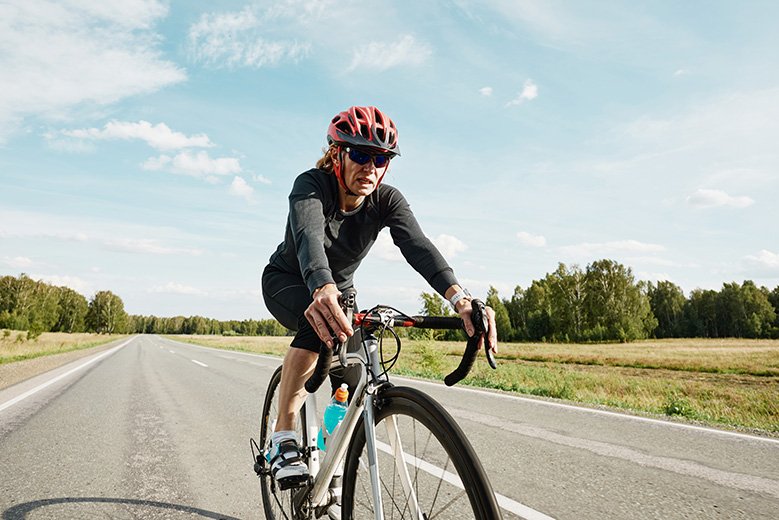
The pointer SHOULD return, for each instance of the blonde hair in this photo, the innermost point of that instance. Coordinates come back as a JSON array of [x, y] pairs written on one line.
[[325, 163]]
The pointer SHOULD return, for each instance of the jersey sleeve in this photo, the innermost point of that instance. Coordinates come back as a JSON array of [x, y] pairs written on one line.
[[416, 248], [307, 224]]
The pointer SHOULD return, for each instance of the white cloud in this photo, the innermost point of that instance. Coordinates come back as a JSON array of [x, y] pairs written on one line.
[[147, 246], [158, 136], [58, 56], [382, 56], [196, 165], [737, 124], [485, 91], [704, 198], [681, 72], [766, 262], [233, 39], [262, 179], [17, 262], [176, 288], [588, 249], [531, 240], [448, 245], [529, 93], [385, 248], [240, 188]]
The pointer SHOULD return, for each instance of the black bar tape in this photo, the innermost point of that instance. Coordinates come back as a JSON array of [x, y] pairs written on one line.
[[469, 356], [437, 322], [321, 370]]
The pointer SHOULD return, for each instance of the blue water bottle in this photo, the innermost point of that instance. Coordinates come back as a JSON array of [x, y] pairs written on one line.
[[334, 413]]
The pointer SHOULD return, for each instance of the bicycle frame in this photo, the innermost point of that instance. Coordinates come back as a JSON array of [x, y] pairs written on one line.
[[362, 404], [326, 485]]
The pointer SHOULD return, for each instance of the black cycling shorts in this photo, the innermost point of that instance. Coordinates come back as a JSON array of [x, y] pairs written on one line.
[[287, 298]]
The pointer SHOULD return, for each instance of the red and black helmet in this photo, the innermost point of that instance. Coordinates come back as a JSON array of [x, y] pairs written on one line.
[[365, 127]]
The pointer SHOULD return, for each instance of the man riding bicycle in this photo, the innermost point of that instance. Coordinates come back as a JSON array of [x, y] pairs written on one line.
[[336, 211]]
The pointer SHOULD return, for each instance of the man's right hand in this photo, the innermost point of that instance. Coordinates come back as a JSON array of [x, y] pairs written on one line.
[[325, 315]]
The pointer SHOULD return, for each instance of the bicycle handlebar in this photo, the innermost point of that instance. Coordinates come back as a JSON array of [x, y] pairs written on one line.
[[478, 316]]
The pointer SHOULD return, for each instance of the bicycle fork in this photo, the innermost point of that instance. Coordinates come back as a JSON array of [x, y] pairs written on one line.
[[397, 453], [373, 461]]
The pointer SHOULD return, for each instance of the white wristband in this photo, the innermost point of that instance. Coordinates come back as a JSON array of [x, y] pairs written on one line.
[[459, 295]]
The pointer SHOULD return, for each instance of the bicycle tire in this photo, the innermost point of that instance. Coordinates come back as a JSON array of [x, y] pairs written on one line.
[[276, 503], [438, 456]]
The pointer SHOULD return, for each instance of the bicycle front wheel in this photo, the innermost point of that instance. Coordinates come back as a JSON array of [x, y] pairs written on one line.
[[427, 467], [278, 504]]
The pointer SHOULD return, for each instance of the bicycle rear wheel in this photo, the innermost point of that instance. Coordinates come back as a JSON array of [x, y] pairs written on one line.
[[277, 503], [427, 467]]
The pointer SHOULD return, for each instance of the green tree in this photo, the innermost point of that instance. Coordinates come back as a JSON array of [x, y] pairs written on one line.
[[106, 314], [502, 321], [517, 311], [667, 302], [700, 314], [617, 307], [538, 311], [567, 290], [27, 304], [773, 297], [72, 310], [744, 311]]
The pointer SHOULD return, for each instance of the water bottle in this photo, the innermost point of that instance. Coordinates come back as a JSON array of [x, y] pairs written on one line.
[[334, 413]]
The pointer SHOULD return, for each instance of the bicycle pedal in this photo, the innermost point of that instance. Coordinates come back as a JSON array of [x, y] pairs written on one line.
[[293, 482]]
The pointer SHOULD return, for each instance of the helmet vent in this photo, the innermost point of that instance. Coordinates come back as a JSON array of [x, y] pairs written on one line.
[[344, 127]]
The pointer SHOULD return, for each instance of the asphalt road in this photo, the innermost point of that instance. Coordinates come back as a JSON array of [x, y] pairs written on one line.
[[160, 429]]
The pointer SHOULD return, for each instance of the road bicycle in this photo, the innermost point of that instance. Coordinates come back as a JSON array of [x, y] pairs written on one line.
[[397, 453]]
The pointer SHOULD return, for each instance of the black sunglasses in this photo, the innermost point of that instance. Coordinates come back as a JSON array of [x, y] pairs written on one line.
[[380, 160]]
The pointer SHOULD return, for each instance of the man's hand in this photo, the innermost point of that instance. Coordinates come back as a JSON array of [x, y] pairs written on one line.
[[464, 309], [325, 315]]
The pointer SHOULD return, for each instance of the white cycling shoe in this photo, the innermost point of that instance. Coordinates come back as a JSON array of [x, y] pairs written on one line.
[[287, 466]]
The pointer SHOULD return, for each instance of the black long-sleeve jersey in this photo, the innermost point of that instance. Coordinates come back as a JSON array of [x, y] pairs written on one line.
[[326, 245]]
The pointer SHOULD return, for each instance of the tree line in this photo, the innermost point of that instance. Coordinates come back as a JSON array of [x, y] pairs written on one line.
[[602, 302], [35, 306]]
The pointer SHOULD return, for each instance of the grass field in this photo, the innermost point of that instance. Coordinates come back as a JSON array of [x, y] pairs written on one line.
[[15, 345], [728, 382]]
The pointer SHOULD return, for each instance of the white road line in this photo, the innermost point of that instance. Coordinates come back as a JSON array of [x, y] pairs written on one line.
[[503, 501], [195, 361], [172, 352], [558, 405], [50, 382]]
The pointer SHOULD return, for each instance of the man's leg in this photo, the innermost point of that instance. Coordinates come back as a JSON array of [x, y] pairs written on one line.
[[298, 366]]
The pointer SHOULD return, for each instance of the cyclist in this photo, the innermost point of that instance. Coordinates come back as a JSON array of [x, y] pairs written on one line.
[[336, 211]]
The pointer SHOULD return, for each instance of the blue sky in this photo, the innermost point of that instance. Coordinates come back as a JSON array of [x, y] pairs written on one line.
[[147, 147]]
